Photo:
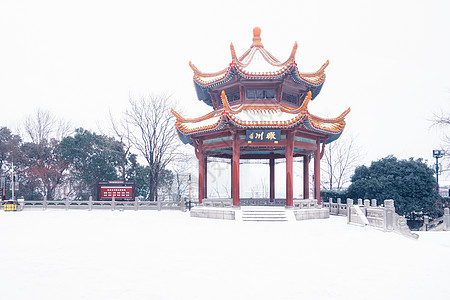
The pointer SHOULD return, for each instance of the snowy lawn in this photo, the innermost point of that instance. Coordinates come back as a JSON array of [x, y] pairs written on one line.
[[57, 254]]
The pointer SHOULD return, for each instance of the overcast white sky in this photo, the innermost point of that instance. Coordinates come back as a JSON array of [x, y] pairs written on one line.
[[389, 60]]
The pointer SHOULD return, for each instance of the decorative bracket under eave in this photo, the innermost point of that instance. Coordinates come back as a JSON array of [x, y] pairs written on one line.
[[322, 152]]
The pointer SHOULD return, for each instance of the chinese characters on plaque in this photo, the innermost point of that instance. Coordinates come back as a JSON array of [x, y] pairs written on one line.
[[120, 190], [263, 135]]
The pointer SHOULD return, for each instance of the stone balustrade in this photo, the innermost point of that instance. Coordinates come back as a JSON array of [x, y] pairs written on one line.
[[442, 223], [305, 203], [218, 202], [94, 204], [366, 212]]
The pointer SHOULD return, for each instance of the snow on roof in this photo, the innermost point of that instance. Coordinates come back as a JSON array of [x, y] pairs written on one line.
[[255, 115], [208, 122], [257, 63]]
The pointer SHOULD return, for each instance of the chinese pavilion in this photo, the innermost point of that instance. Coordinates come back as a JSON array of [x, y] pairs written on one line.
[[260, 111]]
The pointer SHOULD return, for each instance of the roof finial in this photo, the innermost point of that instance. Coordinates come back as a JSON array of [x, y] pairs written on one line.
[[233, 53], [257, 37]]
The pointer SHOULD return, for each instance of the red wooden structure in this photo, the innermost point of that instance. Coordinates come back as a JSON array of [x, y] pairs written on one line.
[[260, 111]]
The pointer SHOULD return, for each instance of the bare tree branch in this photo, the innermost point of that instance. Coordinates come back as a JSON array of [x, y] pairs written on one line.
[[341, 157], [152, 133], [43, 125]]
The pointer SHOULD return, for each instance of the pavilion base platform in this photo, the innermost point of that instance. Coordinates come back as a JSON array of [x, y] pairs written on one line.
[[223, 213], [304, 209]]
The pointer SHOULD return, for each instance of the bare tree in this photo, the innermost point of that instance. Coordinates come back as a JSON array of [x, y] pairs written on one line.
[[339, 161], [40, 163], [43, 125], [181, 166], [152, 133], [443, 120], [121, 129]]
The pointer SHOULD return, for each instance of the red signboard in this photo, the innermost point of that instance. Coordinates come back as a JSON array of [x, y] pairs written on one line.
[[107, 192], [120, 190]]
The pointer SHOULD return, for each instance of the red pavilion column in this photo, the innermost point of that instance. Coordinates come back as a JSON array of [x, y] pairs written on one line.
[[317, 172], [306, 177], [272, 177], [205, 180], [201, 171], [231, 174], [289, 169], [235, 169]]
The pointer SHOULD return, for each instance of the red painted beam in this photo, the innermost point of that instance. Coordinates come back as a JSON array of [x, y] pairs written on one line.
[[218, 145], [301, 132], [281, 143], [304, 145]]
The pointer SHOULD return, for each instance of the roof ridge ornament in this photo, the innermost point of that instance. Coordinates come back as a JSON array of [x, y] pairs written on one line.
[[257, 37], [233, 54], [226, 106]]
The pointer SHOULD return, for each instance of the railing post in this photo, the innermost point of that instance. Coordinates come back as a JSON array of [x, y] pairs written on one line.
[[339, 202], [182, 204], [113, 203], [136, 203], [90, 203], [374, 202], [330, 201], [446, 219], [360, 202], [349, 210], [426, 221], [67, 203], [389, 211], [44, 203], [366, 206], [158, 204]]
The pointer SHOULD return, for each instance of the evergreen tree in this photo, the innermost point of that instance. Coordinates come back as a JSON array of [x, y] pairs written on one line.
[[410, 183], [92, 157]]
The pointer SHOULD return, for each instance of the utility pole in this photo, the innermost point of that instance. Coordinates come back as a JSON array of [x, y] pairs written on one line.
[[438, 154], [189, 191], [12, 181]]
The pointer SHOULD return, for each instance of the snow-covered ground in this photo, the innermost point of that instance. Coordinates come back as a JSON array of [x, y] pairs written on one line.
[[168, 255]]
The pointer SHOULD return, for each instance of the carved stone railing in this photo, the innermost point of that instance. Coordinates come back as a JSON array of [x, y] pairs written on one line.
[[94, 204], [384, 218], [305, 203], [217, 202], [368, 213], [338, 209], [442, 223]]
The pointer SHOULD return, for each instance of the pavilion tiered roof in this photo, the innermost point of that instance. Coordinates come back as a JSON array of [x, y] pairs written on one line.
[[249, 116], [257, 63], [259, 67]]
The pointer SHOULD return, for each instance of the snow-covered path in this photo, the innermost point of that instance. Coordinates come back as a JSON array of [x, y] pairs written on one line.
[[168, 255]]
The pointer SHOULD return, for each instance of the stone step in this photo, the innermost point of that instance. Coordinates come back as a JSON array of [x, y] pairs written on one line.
[[269, 214]]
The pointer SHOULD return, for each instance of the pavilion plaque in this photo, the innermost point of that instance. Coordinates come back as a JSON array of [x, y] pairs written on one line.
[[263, 135]]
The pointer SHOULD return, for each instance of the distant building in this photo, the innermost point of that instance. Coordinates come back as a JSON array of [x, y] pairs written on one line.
[[444, 188]]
